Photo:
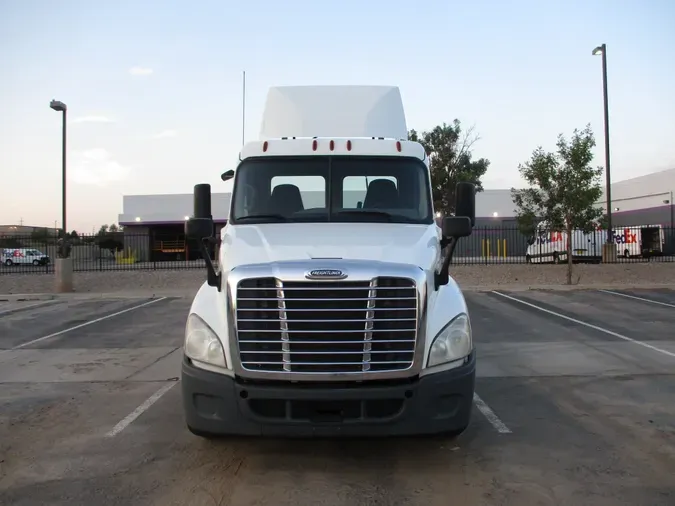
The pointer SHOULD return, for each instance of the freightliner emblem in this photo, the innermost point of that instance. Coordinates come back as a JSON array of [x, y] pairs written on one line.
[[326, 274]]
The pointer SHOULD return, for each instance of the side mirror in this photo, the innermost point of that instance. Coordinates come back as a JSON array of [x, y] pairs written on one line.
[[227, 175], [200, 227], [456, 226], [465, 201]]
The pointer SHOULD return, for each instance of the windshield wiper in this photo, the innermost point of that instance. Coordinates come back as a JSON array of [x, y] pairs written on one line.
[[276, 217], [376, 213], [369, 212]]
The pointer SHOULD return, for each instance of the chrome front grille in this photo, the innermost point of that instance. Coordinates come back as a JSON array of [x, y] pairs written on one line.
[[319, 327]]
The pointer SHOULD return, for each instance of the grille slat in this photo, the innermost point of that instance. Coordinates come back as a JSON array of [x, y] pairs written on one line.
[[327, 326]]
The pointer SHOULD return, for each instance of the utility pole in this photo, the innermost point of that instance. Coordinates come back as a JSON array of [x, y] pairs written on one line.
[[602, 50]]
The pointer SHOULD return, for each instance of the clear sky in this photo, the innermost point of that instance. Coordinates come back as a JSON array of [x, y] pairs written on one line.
[[154, 86]]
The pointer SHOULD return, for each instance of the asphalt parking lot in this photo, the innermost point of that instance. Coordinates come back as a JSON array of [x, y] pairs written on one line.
[[575, 406]]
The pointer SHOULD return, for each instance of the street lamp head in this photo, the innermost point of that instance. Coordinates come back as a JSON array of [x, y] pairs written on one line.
[[599, 50], [58, 106]]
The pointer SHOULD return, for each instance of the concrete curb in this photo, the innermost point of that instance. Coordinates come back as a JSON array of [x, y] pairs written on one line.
[[143, 294], [11, 297]]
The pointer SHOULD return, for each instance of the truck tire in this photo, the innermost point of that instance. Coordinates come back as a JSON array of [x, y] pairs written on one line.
[[202, 434], [8, 262], [453, 434]]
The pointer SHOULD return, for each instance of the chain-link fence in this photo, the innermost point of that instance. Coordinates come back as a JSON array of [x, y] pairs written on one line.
[[122, 251]]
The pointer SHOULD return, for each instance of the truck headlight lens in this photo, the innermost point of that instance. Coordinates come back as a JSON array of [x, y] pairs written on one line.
[[202, 344], [452, 343]]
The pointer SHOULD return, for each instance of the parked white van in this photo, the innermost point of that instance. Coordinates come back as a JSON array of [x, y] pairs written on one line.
[[550, 246], [18, 256]]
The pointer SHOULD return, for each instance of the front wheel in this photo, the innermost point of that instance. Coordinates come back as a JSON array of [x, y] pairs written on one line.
[[8, 262], [36, 262], [202, 434], [457, 432]]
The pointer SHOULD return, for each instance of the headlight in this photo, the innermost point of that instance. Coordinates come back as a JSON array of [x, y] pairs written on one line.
[[202, 344], [452, 343]]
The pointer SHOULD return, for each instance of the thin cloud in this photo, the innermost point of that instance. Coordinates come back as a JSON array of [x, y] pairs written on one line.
[[165, 134], [140, 71], [93, 119], [96, 167]]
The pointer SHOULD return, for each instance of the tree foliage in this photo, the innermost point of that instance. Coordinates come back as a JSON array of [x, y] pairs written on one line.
[[563, 189], [110, 238], [450, 156]]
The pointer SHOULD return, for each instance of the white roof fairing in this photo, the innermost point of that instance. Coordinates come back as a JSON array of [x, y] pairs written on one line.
[[334, 111]]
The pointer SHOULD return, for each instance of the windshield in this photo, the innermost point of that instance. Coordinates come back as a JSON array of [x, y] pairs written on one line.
[[335, 189]]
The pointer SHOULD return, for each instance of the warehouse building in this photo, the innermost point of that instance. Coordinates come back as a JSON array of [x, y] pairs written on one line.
[[153, 224]]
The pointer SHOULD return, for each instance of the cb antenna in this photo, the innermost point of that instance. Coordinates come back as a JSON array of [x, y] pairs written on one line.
[[243, 107]]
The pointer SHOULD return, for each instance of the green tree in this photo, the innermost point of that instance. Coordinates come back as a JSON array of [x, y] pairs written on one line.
[[103, 230], [450, 159], [113, 228], [563, 189]]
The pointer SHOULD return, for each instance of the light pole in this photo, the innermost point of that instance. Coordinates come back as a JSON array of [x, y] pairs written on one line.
[[602, 50], [61, 107]]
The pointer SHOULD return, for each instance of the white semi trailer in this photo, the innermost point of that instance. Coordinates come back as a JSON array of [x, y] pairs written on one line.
[[327, 314]]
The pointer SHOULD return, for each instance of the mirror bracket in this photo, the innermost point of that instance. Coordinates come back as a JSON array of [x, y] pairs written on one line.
[[213, 278]]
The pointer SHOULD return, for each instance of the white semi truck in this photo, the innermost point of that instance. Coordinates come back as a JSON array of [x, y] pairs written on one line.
[[330, 312]]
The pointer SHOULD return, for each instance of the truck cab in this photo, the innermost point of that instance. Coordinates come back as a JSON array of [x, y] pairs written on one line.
[[330, 310]]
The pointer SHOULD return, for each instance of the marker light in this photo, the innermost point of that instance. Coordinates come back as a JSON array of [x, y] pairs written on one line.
[[349, 145], [314, 145], [332, 145], [265, 144], [398, 146]]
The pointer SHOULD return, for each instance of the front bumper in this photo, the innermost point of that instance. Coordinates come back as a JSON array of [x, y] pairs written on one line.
[[218, 404]]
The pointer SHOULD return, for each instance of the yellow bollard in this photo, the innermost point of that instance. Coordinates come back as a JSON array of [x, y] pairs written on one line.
[[504, 248]]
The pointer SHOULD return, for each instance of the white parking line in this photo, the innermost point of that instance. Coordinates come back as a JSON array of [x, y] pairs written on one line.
[[140, 410], [86, 323], [595, 327], [490, 415], [638, 298]]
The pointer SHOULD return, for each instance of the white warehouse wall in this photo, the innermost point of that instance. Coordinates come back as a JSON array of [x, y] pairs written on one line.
[[642, 192], [168, 208]]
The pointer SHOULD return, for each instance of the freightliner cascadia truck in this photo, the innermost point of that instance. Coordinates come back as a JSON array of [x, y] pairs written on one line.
[[328, 309]]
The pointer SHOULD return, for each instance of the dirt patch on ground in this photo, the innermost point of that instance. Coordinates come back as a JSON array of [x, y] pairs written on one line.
[[189, 281]]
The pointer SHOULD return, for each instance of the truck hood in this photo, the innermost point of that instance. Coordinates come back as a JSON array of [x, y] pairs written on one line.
[[384, 242]]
